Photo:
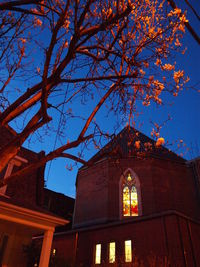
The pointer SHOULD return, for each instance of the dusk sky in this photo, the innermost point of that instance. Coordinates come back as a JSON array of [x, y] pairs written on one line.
[[184, 111]]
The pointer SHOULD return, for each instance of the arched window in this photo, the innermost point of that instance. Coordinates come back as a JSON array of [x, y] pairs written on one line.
[[130, 196]]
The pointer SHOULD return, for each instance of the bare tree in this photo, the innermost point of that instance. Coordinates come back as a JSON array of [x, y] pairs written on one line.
[[114, 52]]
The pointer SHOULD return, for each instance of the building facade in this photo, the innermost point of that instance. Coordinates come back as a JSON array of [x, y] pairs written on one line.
[[137, 204]]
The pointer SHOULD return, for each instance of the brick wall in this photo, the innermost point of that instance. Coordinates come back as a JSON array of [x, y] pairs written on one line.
[[165, 185], [92, 195], [170, 239], [29, 189], [65, 246]]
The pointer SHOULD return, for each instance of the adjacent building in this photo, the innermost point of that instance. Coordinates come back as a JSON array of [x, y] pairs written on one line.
[[21, 212]]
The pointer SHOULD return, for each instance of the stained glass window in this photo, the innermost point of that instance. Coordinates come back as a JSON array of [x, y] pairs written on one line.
[[130, 198]]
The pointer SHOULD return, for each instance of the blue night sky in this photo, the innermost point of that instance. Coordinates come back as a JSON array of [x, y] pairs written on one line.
[[183, 109]]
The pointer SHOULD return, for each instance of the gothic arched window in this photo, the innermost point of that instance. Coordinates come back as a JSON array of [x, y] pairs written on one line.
[[129, 196]]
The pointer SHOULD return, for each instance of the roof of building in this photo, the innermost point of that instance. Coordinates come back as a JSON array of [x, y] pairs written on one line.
[[26, 205], [124, 145], [59, 203], [33, 217]]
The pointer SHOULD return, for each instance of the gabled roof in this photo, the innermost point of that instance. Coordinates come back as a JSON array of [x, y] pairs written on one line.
[[125, 144]]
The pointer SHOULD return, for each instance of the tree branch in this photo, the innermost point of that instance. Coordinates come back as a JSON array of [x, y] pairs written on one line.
[[77, 159], [10, 4], [41, 162], [103, 99], [101, 78]]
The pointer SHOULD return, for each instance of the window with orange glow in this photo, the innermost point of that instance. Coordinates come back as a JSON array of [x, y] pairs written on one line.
[[130, 198]]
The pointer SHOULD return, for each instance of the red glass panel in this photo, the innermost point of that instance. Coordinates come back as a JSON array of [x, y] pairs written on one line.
[[134, 202]]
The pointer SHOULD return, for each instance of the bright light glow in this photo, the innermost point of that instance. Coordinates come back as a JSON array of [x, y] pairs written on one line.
[[54, 252], [128, 251], [112, 252], [129, 178], [98, 254]]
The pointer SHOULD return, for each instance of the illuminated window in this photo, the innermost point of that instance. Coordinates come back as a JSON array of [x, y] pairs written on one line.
[[54, 252], [112, 252], [130, 197], [128, 251], [98, 254]]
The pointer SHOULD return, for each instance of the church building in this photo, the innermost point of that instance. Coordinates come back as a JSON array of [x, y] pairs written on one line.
[[137, 204]]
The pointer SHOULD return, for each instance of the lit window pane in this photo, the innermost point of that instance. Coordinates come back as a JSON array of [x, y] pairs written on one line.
[[126, 201], [112, 252], [134, 202], [129, 178], [98, 254], [54, 252], [128, 251]]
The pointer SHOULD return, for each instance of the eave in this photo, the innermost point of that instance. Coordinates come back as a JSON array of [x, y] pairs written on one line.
[[31, 218]]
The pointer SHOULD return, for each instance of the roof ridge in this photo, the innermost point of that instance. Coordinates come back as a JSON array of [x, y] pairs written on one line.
[[121, 145]]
